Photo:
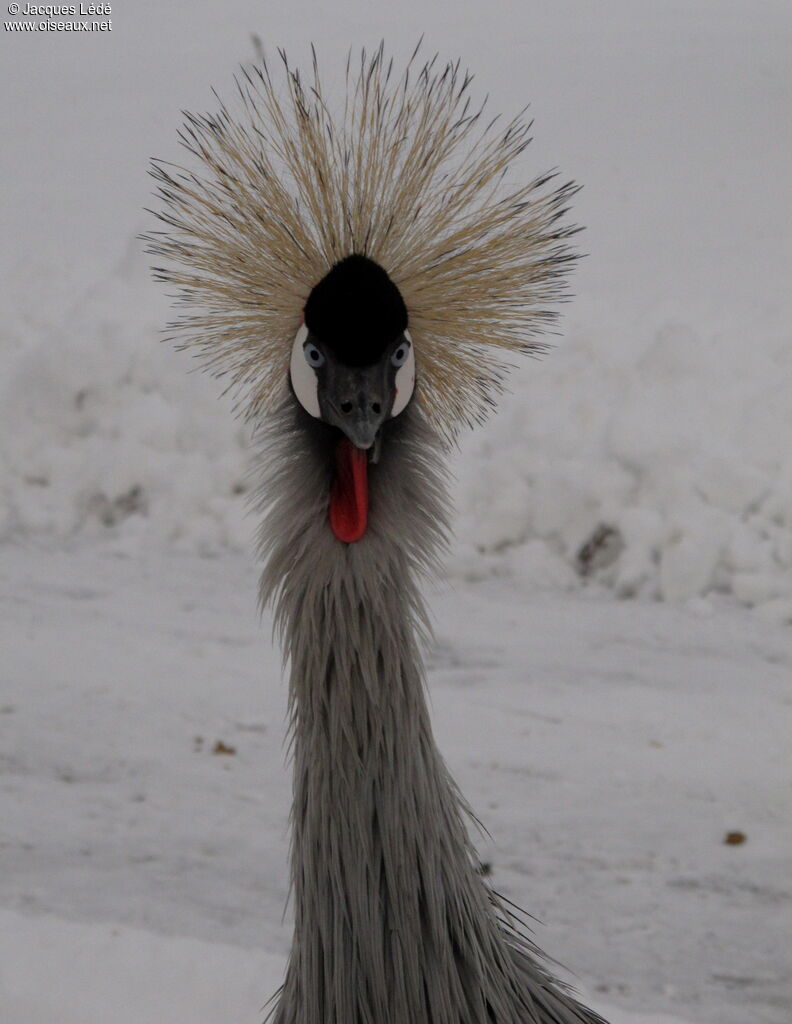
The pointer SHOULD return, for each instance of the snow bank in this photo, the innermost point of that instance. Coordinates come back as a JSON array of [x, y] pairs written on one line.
[[104, 430], [658, 464]]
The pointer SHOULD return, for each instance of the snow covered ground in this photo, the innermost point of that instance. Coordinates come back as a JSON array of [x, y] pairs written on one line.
[[609, 747], [611, 681]]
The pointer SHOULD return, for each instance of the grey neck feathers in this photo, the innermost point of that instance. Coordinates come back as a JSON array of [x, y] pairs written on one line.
[[393, 924]]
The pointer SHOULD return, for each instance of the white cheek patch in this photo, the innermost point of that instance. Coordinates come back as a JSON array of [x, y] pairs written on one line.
[[303, 377], [405, 380]]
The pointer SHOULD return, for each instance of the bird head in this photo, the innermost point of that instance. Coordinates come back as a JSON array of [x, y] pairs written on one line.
[[398, 203], [352, 361]]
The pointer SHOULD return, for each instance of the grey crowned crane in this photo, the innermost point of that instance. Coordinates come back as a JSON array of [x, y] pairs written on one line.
[[362, 281]]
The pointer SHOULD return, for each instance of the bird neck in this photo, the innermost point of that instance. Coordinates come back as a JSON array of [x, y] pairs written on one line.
[[375, 810], [350, 616], [393, 922], [348, 603]]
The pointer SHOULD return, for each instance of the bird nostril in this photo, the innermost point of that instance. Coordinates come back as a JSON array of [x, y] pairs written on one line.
[[376, 408], [346, 407]]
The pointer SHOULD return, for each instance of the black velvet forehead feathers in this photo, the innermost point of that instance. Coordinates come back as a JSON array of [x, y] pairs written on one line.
[[356, 310]]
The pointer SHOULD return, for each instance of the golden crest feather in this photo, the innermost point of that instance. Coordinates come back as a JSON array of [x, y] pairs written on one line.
[[407, 174]]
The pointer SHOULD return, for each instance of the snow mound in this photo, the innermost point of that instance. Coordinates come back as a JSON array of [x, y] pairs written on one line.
[[658, 465], [103, 429]]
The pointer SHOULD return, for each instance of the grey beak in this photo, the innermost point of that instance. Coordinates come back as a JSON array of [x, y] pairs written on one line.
[[357, 400]]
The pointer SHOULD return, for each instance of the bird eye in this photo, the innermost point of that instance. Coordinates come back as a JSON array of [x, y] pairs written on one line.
[[312, 355], [399, 357], [404, 381], [302, 372]]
